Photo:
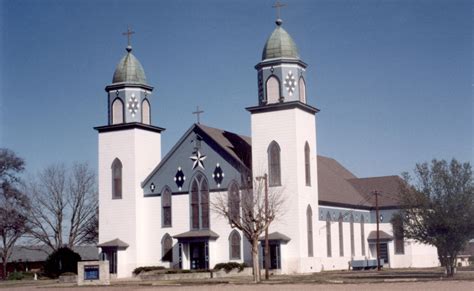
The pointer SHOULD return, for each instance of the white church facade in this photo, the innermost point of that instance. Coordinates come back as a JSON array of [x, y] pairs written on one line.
[[156, 210]]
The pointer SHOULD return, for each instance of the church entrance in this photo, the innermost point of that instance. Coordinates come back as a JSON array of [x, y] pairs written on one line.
[[275, 255], [199, 255]]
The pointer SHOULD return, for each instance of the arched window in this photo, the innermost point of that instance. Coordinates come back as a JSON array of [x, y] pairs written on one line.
[[362, 234], [352, 235], [274, 167], [328, 235], [117, 179], [309, 225], [195, 205], [302, 87], [204, 204], [234, 243], [307, 164], [273, 90], [234, 201], [117, 111], [341, 236], [167, 248], [199, 203], [166, 207], [146, 111]]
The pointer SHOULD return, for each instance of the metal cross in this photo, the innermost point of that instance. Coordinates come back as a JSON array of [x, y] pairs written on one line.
[[128, 34], [278, 5], [198, 112]]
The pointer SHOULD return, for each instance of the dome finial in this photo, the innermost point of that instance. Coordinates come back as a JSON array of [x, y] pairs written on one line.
[[278, 6]]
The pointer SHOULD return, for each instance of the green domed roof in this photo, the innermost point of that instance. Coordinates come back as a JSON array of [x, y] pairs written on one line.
[[129, 70], [280, 45]]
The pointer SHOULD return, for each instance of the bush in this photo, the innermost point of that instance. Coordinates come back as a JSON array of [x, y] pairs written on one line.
[[227, 267], [147, 269], [16, 276], [61, 261]]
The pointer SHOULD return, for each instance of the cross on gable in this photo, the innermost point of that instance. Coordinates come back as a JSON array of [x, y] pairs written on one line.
[[198, 113], [128, 33]]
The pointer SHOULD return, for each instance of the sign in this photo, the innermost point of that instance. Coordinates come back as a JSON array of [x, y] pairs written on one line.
[[91, 272]]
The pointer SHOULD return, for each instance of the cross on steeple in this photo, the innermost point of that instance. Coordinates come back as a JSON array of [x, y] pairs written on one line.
[[198, 113], [128, 33], [278, 6]]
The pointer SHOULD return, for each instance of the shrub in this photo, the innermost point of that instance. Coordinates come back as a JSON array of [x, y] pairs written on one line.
[[61, 261], [147, 269], [227, 267], [16, 276]]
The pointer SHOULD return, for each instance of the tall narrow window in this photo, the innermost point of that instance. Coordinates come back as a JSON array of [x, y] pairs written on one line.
[[117, 179], [117, 111], [274, 167], [352, 235], [302, 87], [362, 234], [166, 207], [167, 248], [309, 225], [307, 164], [328, 235], [341, 235], [146, 111], [234, 201], [199, 203], [195, 205], [397, 225], [273, 90], [234, 242], [204, 205]]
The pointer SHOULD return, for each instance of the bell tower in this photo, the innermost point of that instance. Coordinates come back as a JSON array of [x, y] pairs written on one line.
[[129, 148], [284, 147]]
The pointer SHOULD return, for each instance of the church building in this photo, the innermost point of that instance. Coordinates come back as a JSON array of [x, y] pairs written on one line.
[[156, 210]]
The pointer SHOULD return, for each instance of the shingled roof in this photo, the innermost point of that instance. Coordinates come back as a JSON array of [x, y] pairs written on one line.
[[337, 185]]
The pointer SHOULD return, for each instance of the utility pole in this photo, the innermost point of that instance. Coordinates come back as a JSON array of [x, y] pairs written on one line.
[[376, 193]]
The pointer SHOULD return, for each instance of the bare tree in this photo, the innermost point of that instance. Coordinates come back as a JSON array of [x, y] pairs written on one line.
[[64, 205], [251, 218], [13, 204]]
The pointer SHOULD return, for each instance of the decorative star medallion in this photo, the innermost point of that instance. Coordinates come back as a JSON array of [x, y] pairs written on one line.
[[152, 187], [179, 178], [198, 160], [218, 175], [133, 105], [290, 83]]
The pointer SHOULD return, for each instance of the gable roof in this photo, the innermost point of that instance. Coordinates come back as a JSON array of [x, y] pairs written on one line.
[[337, 185]]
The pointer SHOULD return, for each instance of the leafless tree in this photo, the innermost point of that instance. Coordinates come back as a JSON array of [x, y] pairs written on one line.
[[251, 218], [64, 205], [14, 204]]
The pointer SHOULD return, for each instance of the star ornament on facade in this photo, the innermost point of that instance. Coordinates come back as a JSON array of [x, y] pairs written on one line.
[[198, 160], [290, 83], [133, 105]]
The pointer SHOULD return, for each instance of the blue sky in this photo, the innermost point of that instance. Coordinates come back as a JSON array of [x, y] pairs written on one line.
[[393, 79]]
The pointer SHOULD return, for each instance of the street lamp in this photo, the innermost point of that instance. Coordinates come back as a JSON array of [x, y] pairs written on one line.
[[266, 250]]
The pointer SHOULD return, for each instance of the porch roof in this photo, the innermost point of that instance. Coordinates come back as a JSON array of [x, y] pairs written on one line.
[[276, 236], [197, 234], [114, 243], [382, 236]]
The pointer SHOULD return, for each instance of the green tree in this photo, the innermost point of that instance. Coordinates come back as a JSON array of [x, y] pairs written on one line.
[[61, 261], [14, 205], [438, 208]]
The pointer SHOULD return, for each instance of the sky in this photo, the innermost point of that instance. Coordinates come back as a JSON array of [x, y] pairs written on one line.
[[393, 79]]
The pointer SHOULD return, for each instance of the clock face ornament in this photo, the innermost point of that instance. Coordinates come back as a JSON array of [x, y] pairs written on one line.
[[290, 83], [133, 105]]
